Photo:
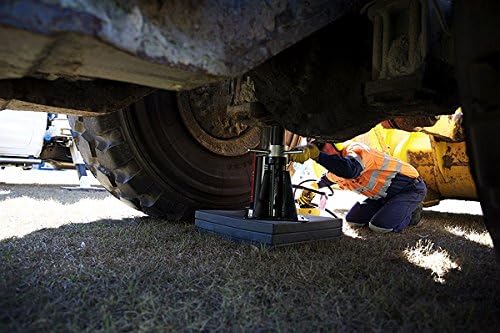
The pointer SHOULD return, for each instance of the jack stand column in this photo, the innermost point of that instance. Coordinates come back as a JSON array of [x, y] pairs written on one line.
[[272, 218], [275, 197]]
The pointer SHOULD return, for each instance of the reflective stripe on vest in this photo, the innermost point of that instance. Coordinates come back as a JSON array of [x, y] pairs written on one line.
[[376, 173], [376, 180], [389, 179]]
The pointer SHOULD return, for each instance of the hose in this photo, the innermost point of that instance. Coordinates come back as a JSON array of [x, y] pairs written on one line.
[[299, 186]]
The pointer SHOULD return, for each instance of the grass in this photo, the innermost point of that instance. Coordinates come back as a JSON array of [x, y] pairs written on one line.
[[438, 261], [138, 273]]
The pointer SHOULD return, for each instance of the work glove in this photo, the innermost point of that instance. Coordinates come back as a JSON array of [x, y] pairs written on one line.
[[306, 197], [309, 152]]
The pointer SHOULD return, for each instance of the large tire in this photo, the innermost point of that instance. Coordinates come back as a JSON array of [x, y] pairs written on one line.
[[477, 45], [146, 157]]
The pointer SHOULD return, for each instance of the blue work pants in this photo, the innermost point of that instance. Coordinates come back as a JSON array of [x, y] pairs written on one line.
[[392, 213]]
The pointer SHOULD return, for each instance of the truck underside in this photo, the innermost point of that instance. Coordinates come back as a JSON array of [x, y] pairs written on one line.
[[104, 56], [202, 77], [173, 45]]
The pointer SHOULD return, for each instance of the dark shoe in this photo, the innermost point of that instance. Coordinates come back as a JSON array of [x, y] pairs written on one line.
[[416, 215]]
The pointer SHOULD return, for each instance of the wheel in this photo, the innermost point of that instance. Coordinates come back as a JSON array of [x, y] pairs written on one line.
[[170, 154], [477, 40]]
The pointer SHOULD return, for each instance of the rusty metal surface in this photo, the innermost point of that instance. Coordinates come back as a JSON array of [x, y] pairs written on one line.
[[219, 136], [445, 170], [443, 128], [315, 88], [448, 128], [412, 63], [206, 39], [409, 124], [208, 104], [406, 32]]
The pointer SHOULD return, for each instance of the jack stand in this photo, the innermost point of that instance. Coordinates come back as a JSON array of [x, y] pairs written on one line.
[[82, 172], [272, 218]]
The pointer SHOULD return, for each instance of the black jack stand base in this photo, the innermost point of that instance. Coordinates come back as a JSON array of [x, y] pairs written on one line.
[[234, 225]]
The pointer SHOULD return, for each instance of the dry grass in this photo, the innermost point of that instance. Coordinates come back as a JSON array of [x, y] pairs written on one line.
[[134, 273], [425, 255], [26, 210]]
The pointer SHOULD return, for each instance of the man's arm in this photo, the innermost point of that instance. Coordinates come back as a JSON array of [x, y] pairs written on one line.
[[345, 167]]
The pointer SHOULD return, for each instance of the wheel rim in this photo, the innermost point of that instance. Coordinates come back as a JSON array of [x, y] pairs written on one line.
[[204, 113], [152, 124]]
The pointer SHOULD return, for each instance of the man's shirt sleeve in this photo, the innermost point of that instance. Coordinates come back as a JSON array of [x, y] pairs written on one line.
[[345, 167]]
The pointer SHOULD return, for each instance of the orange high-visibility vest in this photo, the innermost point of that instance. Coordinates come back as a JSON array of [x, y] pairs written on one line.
[[378, 171]]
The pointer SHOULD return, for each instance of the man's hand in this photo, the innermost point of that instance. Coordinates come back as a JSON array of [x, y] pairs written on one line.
[[310, 152]]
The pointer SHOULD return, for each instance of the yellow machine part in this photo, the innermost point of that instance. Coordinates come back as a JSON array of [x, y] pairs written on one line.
[[308, 211], [436, 152]]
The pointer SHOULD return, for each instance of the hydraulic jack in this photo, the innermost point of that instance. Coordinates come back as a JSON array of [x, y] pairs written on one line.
[[272, 218]]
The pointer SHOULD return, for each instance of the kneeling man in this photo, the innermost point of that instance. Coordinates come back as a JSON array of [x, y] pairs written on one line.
[[394, 188]]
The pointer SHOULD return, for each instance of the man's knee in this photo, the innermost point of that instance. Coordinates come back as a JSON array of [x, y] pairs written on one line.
[[351, 217], [354, 218], [378, 229], [356, 224]]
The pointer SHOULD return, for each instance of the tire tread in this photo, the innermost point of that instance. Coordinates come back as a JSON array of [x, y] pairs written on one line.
[[110, 159]]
